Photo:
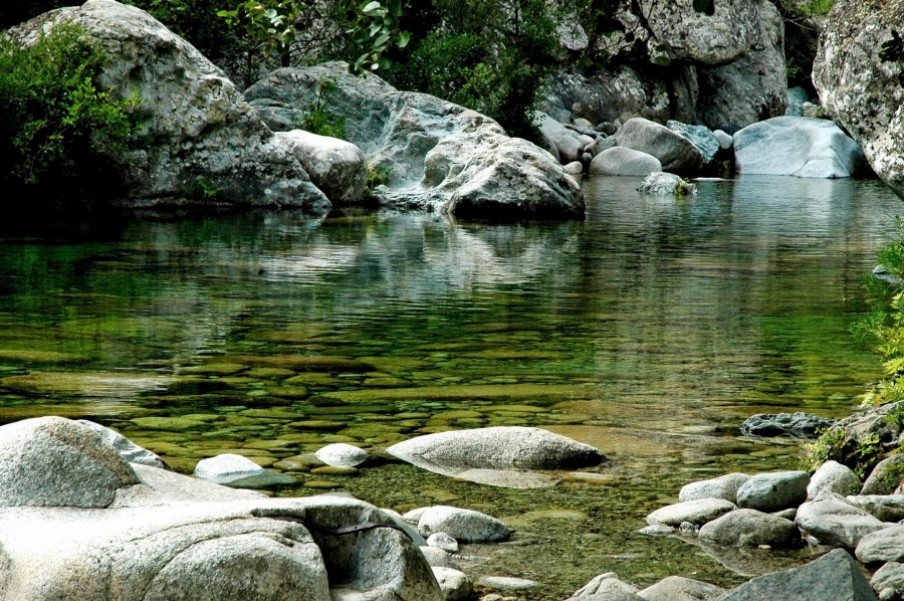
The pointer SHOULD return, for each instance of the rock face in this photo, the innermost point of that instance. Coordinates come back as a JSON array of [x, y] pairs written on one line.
[[798, 146], [833, 576], [859, 88], [436, 155], [674, 151], [499, 447], [753, 87], [797, 425], [199, 126], [95, 528]]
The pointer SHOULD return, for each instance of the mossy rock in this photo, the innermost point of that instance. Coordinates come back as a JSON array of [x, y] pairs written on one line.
[[384, 382], [32, 356], [313, 379], [86, 383], [214, 369], [394, 365], [321, 484], [306, 363], [289, 392], [176, 423], [332, 470], [269, 373], [318, 424], [271, 413], [451, 392]]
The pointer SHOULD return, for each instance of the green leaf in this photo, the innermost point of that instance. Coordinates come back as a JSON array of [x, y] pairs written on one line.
[[371, 7], [403, 39]]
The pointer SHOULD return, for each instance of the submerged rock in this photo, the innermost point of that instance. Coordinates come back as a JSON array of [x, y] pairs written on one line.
[[507, 448], [197, 125], [435, 155], [798, 425]]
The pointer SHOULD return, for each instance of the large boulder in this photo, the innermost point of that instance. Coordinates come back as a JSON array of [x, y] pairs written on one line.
[[753, 87], [624, 161], [860, 86], [337, 167], [674, 151], [198, 127], [436, 155], [834, 576], [499, 447], [751, 528], [798, 146], [95, 528]]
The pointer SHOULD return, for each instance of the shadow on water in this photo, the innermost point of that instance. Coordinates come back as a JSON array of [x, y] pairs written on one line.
[[650, 330]]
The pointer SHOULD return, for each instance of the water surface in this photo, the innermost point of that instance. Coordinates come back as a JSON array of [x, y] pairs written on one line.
[[651, 330]]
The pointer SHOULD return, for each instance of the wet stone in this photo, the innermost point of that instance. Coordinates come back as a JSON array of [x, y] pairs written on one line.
[[332, 470], [321, 484], [215, 369], [317, 424]]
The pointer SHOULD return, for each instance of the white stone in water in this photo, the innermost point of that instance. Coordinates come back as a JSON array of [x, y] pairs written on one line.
[[507, 583], [443, 541], [226, 468], [342, 455], [695, 512]]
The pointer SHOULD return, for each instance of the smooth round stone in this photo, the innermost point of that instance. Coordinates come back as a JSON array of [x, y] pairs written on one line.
[[342, 455], [695, 512], [443, 541], [506, 583], [226, 468]]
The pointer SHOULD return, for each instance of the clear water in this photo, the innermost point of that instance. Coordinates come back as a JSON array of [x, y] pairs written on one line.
[[651, 330]]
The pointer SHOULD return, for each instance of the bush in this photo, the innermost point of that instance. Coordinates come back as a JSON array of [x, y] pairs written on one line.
[[59, 133]]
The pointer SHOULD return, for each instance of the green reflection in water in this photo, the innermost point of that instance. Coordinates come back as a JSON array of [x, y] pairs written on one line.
[[650, 330]]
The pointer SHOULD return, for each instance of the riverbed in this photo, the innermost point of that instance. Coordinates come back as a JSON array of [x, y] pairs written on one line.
[[651, 330]]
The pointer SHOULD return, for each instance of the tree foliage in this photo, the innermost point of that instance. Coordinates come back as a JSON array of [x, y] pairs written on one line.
[[59, 132]]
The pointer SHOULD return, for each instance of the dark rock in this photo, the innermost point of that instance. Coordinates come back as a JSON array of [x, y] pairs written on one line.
[[797, 425]]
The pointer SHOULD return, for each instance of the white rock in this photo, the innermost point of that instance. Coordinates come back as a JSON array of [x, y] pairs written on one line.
[[624, 161], [833, 477], [340, 454], [443, 541], [337, 167], [695, 512], [226, 467], [464, 525], [882, 545], [723, 487], [456, 586]]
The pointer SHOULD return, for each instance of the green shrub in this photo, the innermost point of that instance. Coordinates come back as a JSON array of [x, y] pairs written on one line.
[[59, 133]]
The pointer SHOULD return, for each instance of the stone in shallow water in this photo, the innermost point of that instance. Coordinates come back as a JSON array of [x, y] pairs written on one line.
[[676, 588], [751, 528], [464, 525], [834, 522], [724, 487], [226, 468], [696, 512], [507, 583], [774, 491], [797, 425]]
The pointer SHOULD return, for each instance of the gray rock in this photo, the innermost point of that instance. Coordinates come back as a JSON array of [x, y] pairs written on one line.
[[716, 39], [657, 530], [667, 184], [464, 525], [601, 145], [55, 462], [797, 425], [751, 528], [677, 588], [437, 558], [700, 136], [563, 143], [456, 586], [624, 161], [575, 168], [797, 146], [443, 541], [696, 512], [725, 140], [774, 491], [834, 522], [507, 583], [607, 587], [226, 468], [165, 536], [859, 89], [834, 477], [888, 508], [438, 156], [888, 581], [127, 449], [497, 447], [674, 151], [753, 87], [723, 487], [335, 166], [198, 125], [885, 477], [882, 545], [834, 576], [340, 454]]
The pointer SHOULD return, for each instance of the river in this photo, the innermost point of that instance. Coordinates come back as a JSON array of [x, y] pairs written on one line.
[[651, 330]]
